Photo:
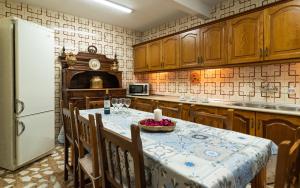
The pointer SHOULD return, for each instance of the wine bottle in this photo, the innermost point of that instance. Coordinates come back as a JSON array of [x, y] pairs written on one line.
[[106, 103]]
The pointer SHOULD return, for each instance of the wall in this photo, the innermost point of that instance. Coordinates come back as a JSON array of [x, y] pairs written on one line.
[[238, 83], [108, 38]]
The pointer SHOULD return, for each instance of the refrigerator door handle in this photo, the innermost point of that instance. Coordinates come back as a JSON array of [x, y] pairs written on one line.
[[19, 103], [19, 133]]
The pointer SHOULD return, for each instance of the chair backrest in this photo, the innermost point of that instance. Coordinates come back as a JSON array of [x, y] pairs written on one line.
[[91, 103], [174, 112], [288, 165], [123, 147], [214, 120], [87, 139], [68, 120]]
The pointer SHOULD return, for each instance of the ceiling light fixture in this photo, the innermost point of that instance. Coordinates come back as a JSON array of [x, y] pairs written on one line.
[[114, 5]]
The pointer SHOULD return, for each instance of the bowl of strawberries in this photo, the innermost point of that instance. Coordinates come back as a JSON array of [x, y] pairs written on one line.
[[164, 125]]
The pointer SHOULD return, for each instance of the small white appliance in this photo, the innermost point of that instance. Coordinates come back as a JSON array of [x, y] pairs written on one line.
[[27, 92], [138, 89]]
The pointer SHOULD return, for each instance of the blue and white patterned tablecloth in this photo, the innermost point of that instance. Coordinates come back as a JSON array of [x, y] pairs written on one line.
[[194, 155]]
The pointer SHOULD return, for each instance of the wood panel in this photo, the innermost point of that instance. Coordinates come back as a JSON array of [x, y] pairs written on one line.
[[246, 38], [170, 52], [154, 56], [277, 128], [281, 31], [189, 48], [140, 58], [170, 109], [213, 44], [143, 104], [243, 121]]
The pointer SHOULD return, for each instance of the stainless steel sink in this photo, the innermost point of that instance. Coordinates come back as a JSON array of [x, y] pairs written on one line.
[[267, 106]]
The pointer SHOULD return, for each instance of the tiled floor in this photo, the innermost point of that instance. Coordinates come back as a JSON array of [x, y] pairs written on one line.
[[47, 172]]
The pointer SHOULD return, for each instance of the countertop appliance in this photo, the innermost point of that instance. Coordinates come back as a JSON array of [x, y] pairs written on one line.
[[27, 92], [138, 89]]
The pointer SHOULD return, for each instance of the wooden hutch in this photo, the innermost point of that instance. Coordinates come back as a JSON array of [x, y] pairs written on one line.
[[76, 78]]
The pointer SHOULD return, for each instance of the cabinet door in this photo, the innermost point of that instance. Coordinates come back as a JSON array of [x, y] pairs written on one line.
[[170, 50], [189, 47], [243, 121], [281, 31], [246, 38], [154, 55], [277, 128], [213, 44], [143, 104], [140, 58], [170, 109]]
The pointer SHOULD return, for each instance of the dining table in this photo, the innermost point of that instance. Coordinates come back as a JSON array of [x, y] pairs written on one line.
[[194, 155]]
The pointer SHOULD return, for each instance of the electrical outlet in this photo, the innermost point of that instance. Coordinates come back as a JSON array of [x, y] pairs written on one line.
[[291, 91]]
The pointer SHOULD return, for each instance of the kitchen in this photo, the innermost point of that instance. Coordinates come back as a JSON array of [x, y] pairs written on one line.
[[220, 58]]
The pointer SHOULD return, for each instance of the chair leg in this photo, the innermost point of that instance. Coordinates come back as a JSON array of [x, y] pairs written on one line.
[[75, 168], [81, 177], [96, 183], [66, 146]]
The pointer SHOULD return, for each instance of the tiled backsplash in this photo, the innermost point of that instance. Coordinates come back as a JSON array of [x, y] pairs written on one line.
[[266, 83], [221, 10]]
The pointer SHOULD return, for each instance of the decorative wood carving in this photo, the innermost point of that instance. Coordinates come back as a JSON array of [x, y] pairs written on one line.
[[76, 78]]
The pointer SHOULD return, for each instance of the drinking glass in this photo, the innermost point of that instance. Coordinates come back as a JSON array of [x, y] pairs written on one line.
[[118, 104], [122, 103], [127, 103], [114, 103]]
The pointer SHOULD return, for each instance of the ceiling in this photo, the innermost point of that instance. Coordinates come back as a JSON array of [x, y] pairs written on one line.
[[146, 14]]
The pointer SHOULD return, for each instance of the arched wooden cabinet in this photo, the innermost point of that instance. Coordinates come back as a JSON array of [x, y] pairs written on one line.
[[76, 79]]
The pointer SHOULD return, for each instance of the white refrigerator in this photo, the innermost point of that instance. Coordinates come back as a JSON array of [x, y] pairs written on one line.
[[26, 92]]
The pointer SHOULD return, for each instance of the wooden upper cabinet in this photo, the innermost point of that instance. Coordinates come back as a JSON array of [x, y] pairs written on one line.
[[154, 56], [140, 58], [213, 44], [282, 31], [189, 47], [245, 43], [170, 52]]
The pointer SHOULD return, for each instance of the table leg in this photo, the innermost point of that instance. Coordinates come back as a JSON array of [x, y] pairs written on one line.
[[259, 180]]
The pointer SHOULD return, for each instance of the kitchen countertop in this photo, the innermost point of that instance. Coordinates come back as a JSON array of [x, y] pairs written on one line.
[[222, 104]]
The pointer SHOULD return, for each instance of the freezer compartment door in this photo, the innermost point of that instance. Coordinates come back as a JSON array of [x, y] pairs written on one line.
[[35, 136], [7, 131], [34, 68]]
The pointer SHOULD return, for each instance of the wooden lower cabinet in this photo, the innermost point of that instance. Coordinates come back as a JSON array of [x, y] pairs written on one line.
[[170, 109], [198, 108], [143, 104], [277, 127], [243, 121]]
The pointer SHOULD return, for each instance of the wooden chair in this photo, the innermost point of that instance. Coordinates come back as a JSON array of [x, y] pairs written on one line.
[[92, 102], [288, 165], [70, 135], [171, 111], [88, 153], [214, 120], [107, 140]]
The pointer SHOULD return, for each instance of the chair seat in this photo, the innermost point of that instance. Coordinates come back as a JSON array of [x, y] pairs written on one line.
[[271, 169], [87, 166]]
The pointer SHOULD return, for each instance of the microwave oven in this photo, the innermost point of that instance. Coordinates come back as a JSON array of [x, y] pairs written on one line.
[[138, 89]]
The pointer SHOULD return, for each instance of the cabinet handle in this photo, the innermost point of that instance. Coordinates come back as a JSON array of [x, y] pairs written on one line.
[[22, 130], [201, 60], [266, 51], [21, 103], [261, 53]]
